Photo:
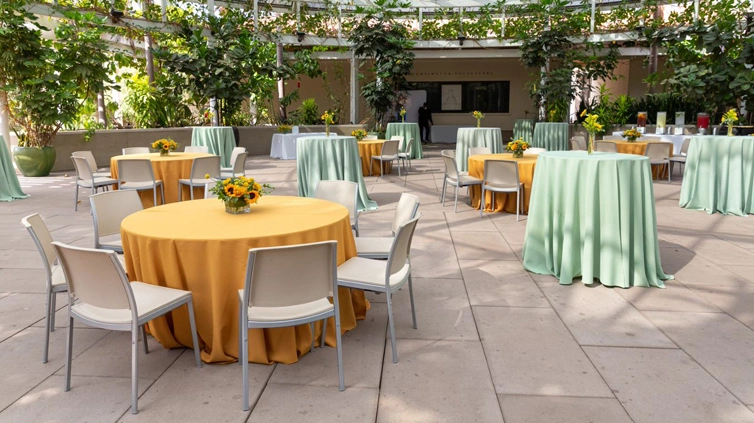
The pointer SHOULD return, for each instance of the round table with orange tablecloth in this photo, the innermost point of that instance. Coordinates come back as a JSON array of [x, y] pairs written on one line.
[[639, 148], [503, 201], [367, 149], [197, 246], [169, 169]]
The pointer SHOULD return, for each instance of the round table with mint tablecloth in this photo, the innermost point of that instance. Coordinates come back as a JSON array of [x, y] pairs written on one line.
[[326, 158], [10, 188], [552, 136], [218, 139], [719, 175], [407, 130], [491, 138], [593, 215], [523, 129]]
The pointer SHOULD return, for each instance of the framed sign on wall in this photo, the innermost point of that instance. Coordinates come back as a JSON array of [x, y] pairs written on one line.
[[451, 97]]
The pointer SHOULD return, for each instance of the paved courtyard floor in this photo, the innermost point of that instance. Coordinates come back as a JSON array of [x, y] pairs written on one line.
[[494, 342]]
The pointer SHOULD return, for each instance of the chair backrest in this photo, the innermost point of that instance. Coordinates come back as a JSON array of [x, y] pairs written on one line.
[[685, 146], [534, 151], [341, 192], [400, 251], [96, 278], [239, 162], [42, 239], [110, 208], [501, 173], [612, 138], [479, 150], [575, 145], [89, 158], [410, 147], [400, 140], [202, 166], [390, 148], [138, 170], [135, 150], [291, 275], [448, 153], [236, 151], [657, 150], [580, 141], [451, 169], [370, 137], [606, 146], [406, 210], [83, 171], [196, 149]]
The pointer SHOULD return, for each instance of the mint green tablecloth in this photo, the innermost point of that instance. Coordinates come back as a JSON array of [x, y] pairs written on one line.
[[10, 189], [219, 140], [593, 216], [476, 137], [408, 130], [523, 129], [719, 175], [551, 136], [330, 158]]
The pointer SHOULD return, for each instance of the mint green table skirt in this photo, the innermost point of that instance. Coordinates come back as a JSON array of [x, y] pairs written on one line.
[[551, 136], [523, 129], [218, 139], [330, 158], [491, 138], [10, 188], [593, 216], [719, 175], [408, 131]]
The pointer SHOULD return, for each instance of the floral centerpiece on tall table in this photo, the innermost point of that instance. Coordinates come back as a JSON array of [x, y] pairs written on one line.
[[284, 129], [360, 134], [403, 115], [239, 193], [592, 127], [478, 116], [164, 146], [730, 118], [517, 147], [631, 134], [327, 118]]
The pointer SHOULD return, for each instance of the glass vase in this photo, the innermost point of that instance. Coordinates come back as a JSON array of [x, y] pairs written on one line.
[[327, 129], [517, 154], [590, 144], [164, 152], [730, 130], [479, 123], [237, 207]]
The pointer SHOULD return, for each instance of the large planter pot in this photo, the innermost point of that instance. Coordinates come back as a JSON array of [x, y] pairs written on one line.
[[33, 161]]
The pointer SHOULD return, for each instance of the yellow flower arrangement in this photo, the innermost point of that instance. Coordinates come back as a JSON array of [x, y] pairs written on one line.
[[284, 129], [360, 134], [327, 118], [239, 192], [517, 147], [631, 134], [730, 118], [478, 116], [403, 114], [164, 146], [590, 123]]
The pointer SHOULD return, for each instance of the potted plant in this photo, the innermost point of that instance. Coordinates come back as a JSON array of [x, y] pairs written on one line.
[[44, 83]]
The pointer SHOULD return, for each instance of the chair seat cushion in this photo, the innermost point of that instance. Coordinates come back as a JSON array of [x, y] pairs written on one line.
[[98, 181], [58, 277], [140, 185], [466, 179], [374, 246], [370, 272], [393, 157], [298, 311], [102, 174], [678, 159], [196, 181], [497, 187], [148, 299]]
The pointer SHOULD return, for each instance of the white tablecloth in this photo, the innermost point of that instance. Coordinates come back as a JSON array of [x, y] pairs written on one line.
[[677, 140], [284, 145]]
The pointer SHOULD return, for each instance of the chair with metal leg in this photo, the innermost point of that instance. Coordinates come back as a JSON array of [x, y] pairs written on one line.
[[658, 155], [680, 159], [138, 175], [196, 149], [501, 176], [389, 153], [378, 247], [200, 168], [135, 150], [108, 211], [456, 179], [85, 179], [345, 193]]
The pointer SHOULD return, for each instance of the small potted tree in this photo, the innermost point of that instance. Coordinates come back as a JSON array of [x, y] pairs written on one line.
[[44, 83]]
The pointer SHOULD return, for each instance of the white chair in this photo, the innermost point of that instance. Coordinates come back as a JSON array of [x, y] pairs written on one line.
[[605, 146], [101, 296], [501, 176], [681, 158], [239, 161], [208, 193], [374, 247], [454, 178], [406, 156], [384, 276], [398, 138], [138, 175], [479, 150], [108, 211], [98, 173], [85, 178], [578, 143], [658, 155], [135, 150], [200, 167], [289, 286], [371, 137], [612, 138], [534, 151], [389, 153], [345, 193], [196, 149], [233, 156]]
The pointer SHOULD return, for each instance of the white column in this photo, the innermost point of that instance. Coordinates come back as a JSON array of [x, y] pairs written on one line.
[[421, 22], [594, 7], [256, 15], [354, 94], [502, 24]]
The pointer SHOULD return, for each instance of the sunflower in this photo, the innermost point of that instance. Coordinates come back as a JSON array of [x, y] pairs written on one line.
[[165, 147], [253, 197]]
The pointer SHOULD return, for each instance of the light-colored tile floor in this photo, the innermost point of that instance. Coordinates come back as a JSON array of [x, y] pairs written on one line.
[[493, 340]]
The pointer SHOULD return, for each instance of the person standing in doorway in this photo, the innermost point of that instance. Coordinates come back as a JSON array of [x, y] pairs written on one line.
[[425, 120]]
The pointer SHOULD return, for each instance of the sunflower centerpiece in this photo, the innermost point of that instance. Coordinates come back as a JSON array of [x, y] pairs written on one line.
[[327, 118], [164, 146], [360, 134], [239, 193], [730, 118], [478, 116], [403, 115], [593, 127], [631, 134], [517, 147]]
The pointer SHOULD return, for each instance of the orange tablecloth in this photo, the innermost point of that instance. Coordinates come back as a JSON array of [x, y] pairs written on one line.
[[367, 149], [503, 201], [197, 246], [169, 169], [640, 148]]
